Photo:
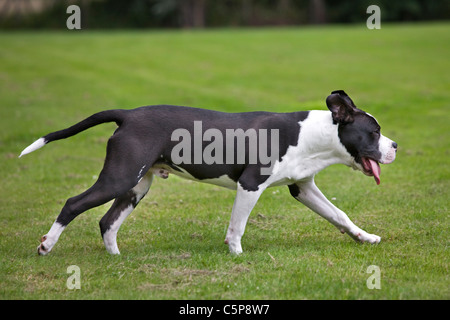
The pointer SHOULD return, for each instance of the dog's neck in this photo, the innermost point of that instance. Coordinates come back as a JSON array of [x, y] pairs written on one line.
[[318, 147], [319, 138]]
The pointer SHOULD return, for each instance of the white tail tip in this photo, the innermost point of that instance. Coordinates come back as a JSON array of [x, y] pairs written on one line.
[[39, 143]]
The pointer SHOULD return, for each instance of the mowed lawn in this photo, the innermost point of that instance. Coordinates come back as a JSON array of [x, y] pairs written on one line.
[[172, 244]]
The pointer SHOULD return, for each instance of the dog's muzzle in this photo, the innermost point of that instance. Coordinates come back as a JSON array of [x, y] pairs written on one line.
[[371, 167], [388, 149]]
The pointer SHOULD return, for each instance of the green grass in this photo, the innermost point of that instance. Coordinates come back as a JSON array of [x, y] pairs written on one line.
[[172, 245]]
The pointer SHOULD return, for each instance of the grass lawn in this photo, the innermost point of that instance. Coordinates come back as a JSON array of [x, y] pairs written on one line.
[[172, 245]]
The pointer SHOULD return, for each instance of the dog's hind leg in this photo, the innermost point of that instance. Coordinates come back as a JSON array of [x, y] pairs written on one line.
[[121, 208], [126, 164], [97, 195]]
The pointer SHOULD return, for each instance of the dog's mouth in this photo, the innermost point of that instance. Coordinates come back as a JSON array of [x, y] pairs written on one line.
[[371, 168]]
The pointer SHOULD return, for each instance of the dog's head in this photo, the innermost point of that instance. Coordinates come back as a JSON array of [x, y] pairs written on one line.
[[359, 132]]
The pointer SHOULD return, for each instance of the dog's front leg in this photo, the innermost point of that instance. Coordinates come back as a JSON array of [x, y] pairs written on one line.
[[307, 193], [243, 205]]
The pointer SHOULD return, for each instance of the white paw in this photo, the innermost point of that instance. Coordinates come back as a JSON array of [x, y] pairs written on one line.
[[45, 247], [110, 241], [234, 246], [362, 236]]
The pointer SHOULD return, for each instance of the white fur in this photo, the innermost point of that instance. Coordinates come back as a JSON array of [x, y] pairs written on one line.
[[388, 152], [243, 205], [50, 239], [110, 236], [39, 143], [318, 147]]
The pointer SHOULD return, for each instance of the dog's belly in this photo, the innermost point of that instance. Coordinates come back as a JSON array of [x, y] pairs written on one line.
[[222, 181]]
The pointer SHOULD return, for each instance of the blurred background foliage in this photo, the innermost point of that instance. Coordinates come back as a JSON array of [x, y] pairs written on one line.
[[105, 14]]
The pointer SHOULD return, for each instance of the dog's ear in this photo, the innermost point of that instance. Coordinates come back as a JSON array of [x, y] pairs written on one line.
[[341, 106]]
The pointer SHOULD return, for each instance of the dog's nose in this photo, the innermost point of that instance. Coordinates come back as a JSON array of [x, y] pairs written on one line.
[[394, 145]]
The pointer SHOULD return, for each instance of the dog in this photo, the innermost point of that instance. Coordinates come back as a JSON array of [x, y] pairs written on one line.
[[148, 142]]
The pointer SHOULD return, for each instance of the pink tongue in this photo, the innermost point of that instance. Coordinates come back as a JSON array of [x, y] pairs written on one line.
[[375, 170]]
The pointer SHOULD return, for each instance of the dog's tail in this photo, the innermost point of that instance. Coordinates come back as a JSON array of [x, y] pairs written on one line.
[[116, 116]]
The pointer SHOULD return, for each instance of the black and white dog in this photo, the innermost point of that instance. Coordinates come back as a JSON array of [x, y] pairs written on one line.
[[226, 149]]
